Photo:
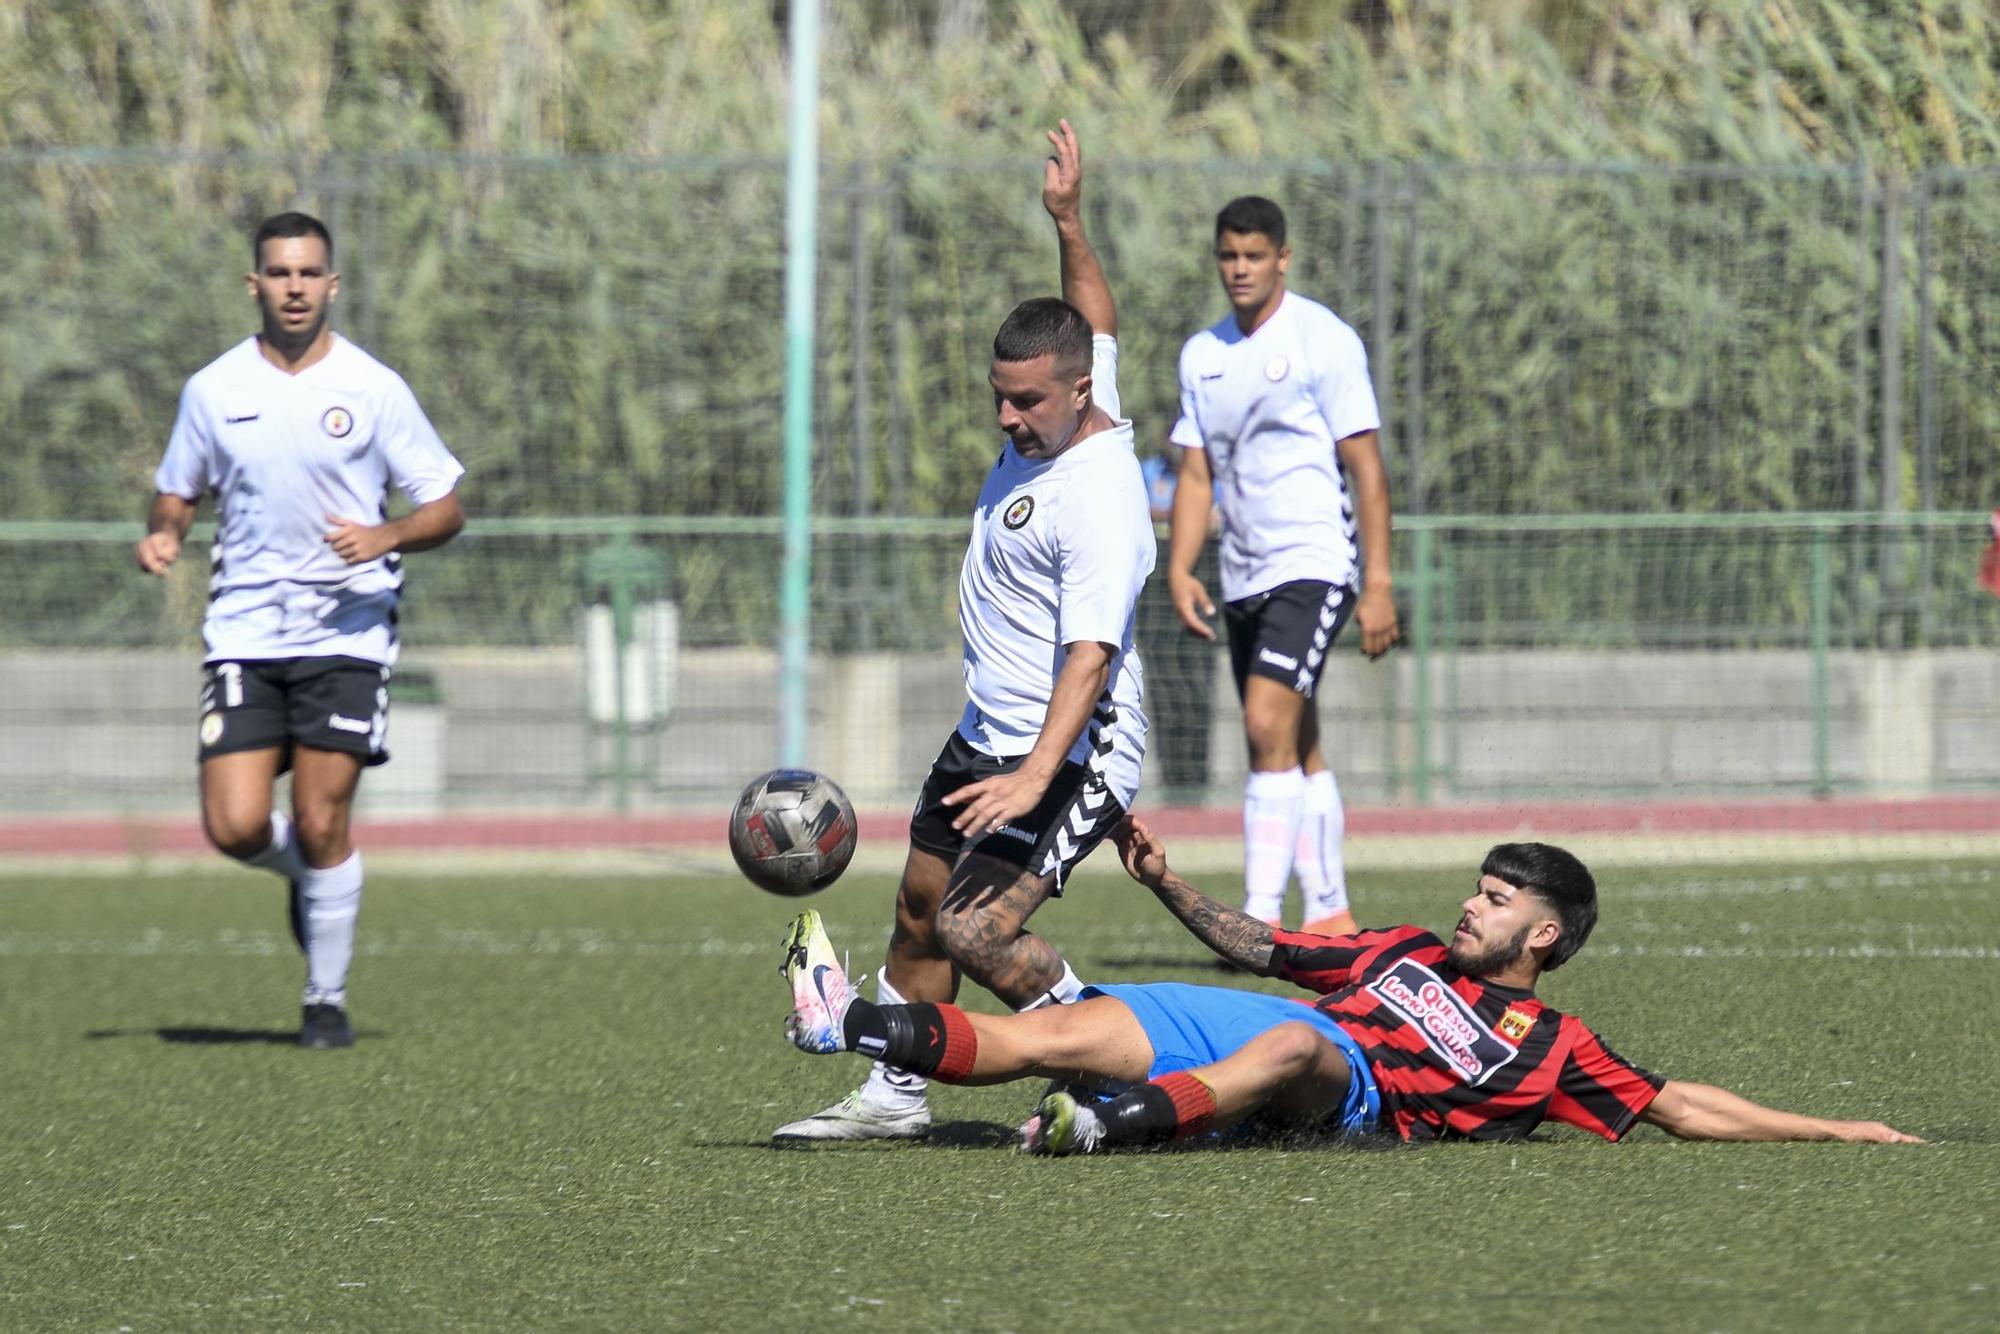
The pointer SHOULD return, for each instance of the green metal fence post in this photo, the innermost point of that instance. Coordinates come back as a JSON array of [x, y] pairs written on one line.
[[1822, 637], [1420, 643], [621, 639]]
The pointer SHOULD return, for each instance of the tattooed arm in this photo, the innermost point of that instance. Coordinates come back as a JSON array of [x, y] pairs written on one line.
[[1236, 936]]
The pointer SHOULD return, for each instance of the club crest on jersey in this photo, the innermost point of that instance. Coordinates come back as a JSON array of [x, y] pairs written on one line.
[[1449, 1026], [336, 422], [1276, 369], [1019, 512], [1514, 1024]]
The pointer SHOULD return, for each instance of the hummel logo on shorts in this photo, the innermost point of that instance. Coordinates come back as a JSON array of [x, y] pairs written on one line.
[[1277, 659], [340, 724]]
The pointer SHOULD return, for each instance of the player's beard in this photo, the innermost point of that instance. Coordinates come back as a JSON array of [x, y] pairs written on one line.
[[1492, 959], [1042, 451], [277, 335]]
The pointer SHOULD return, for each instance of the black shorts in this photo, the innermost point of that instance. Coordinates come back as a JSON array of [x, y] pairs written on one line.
[[323, 703], [1284, 633], [1075, 814]]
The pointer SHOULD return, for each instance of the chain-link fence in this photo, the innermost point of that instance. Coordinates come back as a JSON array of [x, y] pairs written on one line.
[[627, 664], [1680, 420], [603, 336]]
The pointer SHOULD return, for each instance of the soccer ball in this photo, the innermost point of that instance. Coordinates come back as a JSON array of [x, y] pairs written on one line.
[[792, 831]]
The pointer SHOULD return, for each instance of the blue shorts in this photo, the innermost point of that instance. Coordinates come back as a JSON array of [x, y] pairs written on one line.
[[1192, 1026]]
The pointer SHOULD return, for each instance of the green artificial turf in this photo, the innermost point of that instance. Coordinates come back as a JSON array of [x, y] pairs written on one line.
[[557, 1113]]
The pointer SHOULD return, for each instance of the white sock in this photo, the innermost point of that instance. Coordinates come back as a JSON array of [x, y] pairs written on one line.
[[1067, 988], [887, 1085], [1318, 860], [1272, 804], [282, 855], [332, 897]]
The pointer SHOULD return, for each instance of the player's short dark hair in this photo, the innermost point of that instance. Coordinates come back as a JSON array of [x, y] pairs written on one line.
[[283, 226], [1558, 879], [1045, 324], [1248, 214]]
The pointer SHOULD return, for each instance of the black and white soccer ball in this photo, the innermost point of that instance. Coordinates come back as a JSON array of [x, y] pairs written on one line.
[[792, 831]]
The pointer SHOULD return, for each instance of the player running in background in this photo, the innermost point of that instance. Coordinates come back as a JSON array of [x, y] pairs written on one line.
[[299, 435], [1045, 759], [1278, 413], [1409, 1034]]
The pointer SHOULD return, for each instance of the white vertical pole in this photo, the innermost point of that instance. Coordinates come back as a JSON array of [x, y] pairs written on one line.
[[801, 229]]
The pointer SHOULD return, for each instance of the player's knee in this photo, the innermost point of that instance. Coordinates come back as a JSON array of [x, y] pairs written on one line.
[[238, 825], [1274, 742], [1292, 1048], [322, 830], [238, 834]]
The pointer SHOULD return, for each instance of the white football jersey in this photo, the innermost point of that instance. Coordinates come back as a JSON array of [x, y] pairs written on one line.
[[282, 453], [1060, 549], [1269, 407]]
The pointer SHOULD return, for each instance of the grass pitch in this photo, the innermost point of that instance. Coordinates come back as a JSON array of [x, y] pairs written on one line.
[[557, 1116]]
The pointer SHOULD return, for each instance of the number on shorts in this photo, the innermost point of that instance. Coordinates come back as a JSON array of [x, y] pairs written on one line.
[[232, 684]]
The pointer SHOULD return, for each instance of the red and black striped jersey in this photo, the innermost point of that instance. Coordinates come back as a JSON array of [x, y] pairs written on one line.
[[1457, 1057]]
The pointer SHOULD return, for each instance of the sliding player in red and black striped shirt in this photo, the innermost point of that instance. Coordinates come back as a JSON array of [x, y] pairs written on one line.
[[1409, 1033]]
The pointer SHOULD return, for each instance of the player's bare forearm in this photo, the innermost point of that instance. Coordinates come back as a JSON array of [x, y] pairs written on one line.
[[1083, 282], [1086, 670], [1368, 482], [168, 519], [428, 526], [1187, 524], [1187, 533], [170, 514], [1361, 457], [1236, 936], [1705, 1112], [990, 803]]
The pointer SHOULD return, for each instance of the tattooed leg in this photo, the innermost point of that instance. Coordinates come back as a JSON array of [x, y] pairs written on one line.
[[983, 926]]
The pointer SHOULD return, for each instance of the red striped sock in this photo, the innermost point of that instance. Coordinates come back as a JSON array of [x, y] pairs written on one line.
[[1194, 1102], [961, 1045]]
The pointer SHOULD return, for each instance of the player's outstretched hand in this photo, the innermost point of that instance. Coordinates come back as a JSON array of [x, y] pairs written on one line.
[[157, 552], [1192, 605], [992, 803], [1871, 1132], [1145, 857], [1375, 614], [1062, 175], [356, 542]]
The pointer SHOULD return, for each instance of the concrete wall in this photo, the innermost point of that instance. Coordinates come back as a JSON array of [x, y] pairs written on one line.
[[97, 732]]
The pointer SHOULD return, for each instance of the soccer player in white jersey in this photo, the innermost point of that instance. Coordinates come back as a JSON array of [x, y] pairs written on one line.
[[299, 435], [1277, 412], [1045, 759]]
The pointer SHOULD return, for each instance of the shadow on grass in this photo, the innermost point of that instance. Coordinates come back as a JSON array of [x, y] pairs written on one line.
[[207, 1037], [945, 1135]]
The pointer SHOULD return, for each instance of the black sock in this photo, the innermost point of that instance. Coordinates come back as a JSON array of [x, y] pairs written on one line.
[[863, 1029], [1146, 1115], [909, 1037]]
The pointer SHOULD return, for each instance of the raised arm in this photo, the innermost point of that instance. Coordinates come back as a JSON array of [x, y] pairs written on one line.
[[1703, 1111], [1083, 284], [1236, 936]]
